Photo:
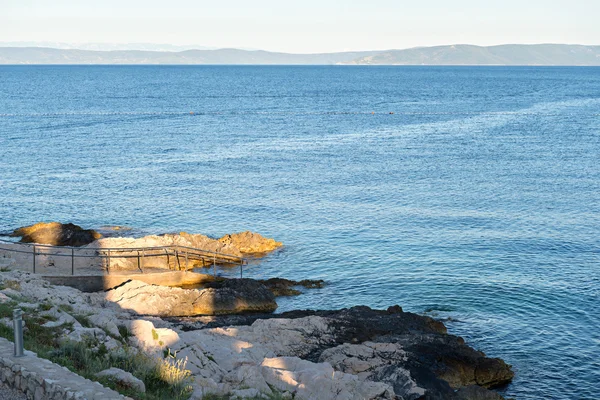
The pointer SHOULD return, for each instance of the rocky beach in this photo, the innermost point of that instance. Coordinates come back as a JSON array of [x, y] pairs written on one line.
[[226, 341]]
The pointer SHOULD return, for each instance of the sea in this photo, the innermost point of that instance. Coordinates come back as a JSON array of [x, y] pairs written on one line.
[[469, 194]]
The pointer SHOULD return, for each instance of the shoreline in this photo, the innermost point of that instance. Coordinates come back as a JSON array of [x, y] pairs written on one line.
[[226, 337], [375, 354]]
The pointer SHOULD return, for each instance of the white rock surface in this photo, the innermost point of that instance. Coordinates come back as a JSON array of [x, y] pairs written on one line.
[[264, 356], [4, 298], [247, 394], [124, 378], [365, 360], [61, 318], [81, 334]]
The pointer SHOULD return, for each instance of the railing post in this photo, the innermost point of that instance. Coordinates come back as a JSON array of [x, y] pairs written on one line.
[[108, 263], [214, 265], [138, 260], [186, 260], [18, 327], [72, 261], [178, 262], [242, 269], [34, 259]]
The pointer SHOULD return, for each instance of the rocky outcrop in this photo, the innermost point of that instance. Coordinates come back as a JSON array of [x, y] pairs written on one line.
[[232, 296], [238, 245], [250, 243], [56, 234], [149, 251], [356, 353], [411, 354]]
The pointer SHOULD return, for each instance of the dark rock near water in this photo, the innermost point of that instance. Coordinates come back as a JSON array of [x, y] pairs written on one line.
[[56, 234], [475, 392], [388, 341], [286, 287], [234, 296]]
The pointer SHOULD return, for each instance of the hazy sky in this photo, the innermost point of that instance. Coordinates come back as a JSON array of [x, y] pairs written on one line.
[[302, 26]]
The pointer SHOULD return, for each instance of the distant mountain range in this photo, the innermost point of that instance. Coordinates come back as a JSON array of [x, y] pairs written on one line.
[[109, 46], [510, 54]]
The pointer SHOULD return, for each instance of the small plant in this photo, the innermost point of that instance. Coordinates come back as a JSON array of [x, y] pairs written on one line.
[[102, 351], [124, 332], [173, 372], [6, 332], [66, 308], [154, 334], [38, 335], [6, 309], [83, 320], [10, 284]]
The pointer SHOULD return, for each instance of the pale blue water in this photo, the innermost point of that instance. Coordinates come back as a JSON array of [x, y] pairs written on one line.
[[478, 199]]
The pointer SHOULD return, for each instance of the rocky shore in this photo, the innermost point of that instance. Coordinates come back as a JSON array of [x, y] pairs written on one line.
[[356, 353], [222, 339]]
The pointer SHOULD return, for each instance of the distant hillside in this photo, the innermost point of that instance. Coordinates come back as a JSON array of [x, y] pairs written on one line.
[[43, 55], [542, 54], [508, 54]]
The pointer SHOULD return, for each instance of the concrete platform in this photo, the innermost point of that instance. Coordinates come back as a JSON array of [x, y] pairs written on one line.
[[97, 283]]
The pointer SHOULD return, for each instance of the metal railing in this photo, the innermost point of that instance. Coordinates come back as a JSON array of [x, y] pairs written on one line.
[[174, 255]]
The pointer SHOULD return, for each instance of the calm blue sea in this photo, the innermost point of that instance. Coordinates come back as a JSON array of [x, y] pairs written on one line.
[[477, 200]]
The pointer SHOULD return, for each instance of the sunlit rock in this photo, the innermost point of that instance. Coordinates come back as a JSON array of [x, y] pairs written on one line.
[[56, 234]]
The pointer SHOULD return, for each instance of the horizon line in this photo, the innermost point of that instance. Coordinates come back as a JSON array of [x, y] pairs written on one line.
[[215, 48]]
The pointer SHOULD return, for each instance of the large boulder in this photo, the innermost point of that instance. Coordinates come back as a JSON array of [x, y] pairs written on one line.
[[56, 234], [145, 336], [250, 243], [123, 378], [225, 297]]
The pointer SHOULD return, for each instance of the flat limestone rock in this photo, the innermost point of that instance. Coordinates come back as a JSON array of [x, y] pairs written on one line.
[[231, 297]]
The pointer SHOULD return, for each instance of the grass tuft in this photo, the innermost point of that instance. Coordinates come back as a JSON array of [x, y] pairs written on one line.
[[10, 284], [124, 332]]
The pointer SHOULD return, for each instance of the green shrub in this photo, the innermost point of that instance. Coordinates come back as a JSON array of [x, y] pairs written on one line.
[[124, 332], [6, 309]]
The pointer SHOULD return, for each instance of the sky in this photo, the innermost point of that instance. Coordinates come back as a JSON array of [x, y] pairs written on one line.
[[308, 26]]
